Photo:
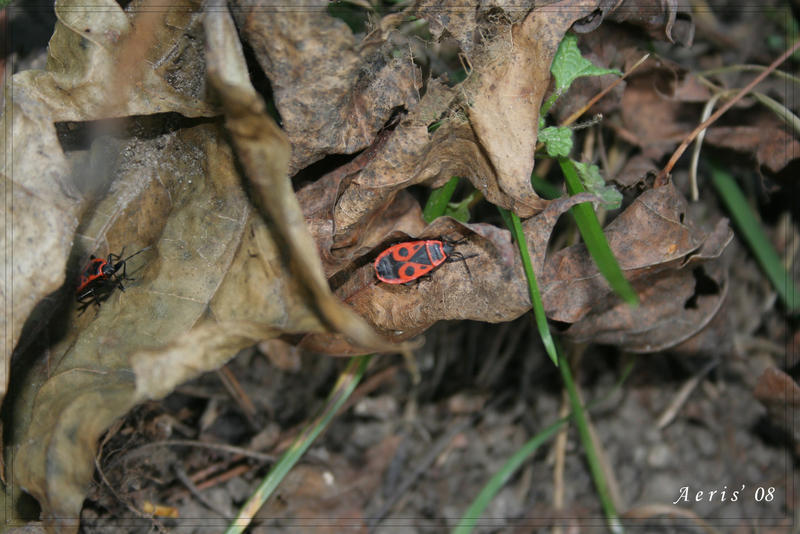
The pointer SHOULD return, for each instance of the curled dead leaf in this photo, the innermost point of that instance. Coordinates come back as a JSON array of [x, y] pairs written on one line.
[[504, 95], [263, 149], [333, 93]]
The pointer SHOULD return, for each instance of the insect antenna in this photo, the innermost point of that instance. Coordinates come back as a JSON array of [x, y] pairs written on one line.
[[137, 252], [457, 256]]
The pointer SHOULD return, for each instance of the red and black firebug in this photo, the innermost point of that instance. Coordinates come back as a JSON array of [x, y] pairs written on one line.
[[408, 261], [101, 277]]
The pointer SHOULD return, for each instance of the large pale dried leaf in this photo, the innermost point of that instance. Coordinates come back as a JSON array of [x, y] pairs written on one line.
[[38, 225], [216, 281], [181, 194], [46, 197], [84, 56], [333, 93]]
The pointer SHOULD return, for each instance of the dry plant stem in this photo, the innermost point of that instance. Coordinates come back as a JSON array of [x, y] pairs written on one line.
[[661, 179], [214, 468], [698, 145], [787, 229], [239, 395], [195, 491], [683, 394], [596, 98], [611, 477], [577, 353], [226, 476], [204, 445]]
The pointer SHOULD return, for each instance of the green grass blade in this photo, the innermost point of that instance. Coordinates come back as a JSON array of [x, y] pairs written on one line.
[[513, 223], [581, 422], [750, 228], [341, 391], [595, 240], [502, 476], [437, 202]]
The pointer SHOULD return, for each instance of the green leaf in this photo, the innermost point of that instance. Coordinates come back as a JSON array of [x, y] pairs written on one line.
[[569, 65], [512, 221], [593, 237], [594, 183], [557, 140], [750, 229]]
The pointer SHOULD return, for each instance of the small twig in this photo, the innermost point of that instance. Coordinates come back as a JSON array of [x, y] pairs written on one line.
[[239, 396], [560, 448], [224, 477], [596, 98], [204, 445], [661, 179], [683, 394], [184, 478], [698, 145], [214, 468]]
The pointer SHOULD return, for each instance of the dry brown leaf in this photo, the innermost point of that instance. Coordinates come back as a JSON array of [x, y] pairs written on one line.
[[780, 394], [493, 290], [47, 198], [215, 281], [675, 303], [505, 92], [83, 58], [86, 382], [657, 246], [262, 149], [770, 144], [332, 92]]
